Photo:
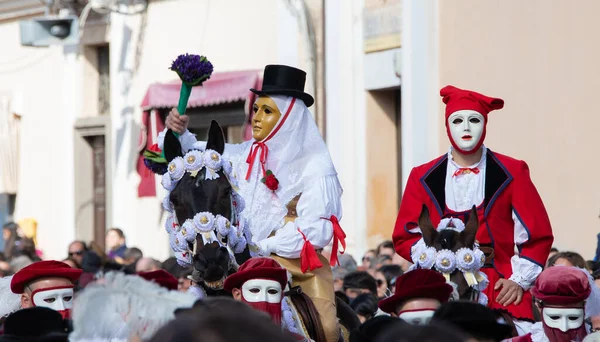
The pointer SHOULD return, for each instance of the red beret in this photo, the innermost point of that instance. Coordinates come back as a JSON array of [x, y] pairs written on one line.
[[256, 268], [42, 269], [457, 99], [561, 285], [419, 283], [162, 278]]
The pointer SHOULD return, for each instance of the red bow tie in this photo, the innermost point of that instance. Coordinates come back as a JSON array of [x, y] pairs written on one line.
[[464, 170]]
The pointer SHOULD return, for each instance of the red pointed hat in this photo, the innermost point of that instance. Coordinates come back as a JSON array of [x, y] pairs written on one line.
[[162, 278], [42, 269], [561, 285], [419, 283], [256, 268], [458, 99]]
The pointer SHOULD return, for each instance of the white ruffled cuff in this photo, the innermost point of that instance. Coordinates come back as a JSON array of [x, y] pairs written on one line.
[[524, 272]]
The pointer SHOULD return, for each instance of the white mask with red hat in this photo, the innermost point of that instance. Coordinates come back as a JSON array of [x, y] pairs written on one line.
[[466, 117]]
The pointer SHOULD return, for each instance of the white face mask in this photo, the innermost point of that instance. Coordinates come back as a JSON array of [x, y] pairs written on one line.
[[466, 128], [262, 290], [563, 319], [57, 299], [421, 317]]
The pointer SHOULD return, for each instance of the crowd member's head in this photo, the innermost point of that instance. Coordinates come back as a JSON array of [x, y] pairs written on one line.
[[47, 284], [33, 324], [115, 238], [418, 294], [357, 283], [181, 273], [368, 258], [386, 248], [365, 306], [371, 329], [567, 259], [132, 255], [125, 306], [561, 292], [391, 273], [221, 319], [76, 250], [434, 332], [479, 322], [146, 264]]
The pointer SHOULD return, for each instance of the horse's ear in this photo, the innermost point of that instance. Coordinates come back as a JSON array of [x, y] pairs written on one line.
[[216, 138], [427, 230], [468, 235], [172, 146]]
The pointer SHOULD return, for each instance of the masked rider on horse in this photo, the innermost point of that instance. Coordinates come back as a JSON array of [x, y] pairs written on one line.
[[289, 185], [510, 210]]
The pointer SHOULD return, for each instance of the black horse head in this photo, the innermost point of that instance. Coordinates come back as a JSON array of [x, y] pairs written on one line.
[[193, 194], [451, 240]]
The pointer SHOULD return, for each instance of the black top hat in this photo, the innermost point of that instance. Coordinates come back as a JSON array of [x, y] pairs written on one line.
[[32, 324], [284, 80]]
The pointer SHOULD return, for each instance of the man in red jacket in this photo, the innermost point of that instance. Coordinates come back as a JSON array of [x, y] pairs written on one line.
[[510, 210]]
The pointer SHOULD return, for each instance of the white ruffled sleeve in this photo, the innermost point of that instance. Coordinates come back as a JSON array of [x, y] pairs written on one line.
[[316, 205], [524, 272]]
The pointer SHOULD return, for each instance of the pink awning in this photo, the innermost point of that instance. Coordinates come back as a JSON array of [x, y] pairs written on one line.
[[222, 87]]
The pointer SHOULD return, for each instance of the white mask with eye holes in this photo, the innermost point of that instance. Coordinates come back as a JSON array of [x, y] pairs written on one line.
[[417, 317], [466, 129], [59, 299], [262, 290], [563, 319]]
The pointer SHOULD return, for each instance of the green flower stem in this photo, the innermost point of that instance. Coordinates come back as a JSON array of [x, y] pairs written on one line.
[[184, 96]]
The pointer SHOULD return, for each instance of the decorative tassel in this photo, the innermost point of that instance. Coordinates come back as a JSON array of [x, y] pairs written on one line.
[[309, 260], [339, 237]]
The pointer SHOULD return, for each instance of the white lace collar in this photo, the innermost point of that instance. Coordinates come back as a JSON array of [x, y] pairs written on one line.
[[478, 164], [537, 333]]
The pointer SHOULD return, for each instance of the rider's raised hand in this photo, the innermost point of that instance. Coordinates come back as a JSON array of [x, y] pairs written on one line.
[[177, 123], [510, 292]]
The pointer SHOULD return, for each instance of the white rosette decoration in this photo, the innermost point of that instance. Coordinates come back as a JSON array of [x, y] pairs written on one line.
[[176, 169], [213, 162], [170, 225], [466, 261], [424, 257], [166, 204], [227, 167], [188, 230], [479, 258], [240, 245], [167, 183], [238, 202], [178, 242], [193, 161], [184, 258], [467, 264], [445, 262], [223, 225], [204, 222]]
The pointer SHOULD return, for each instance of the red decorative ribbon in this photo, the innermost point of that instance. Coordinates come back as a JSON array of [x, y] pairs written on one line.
[[339, 236], [309, 260], [264, 150], [466, 170], [263, 147]]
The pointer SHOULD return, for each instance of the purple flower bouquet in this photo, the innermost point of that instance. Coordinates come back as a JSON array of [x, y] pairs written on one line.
[[193, 70]]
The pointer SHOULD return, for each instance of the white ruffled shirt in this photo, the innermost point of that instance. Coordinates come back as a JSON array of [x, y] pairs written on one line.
[[317, 202], [468, 189]]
